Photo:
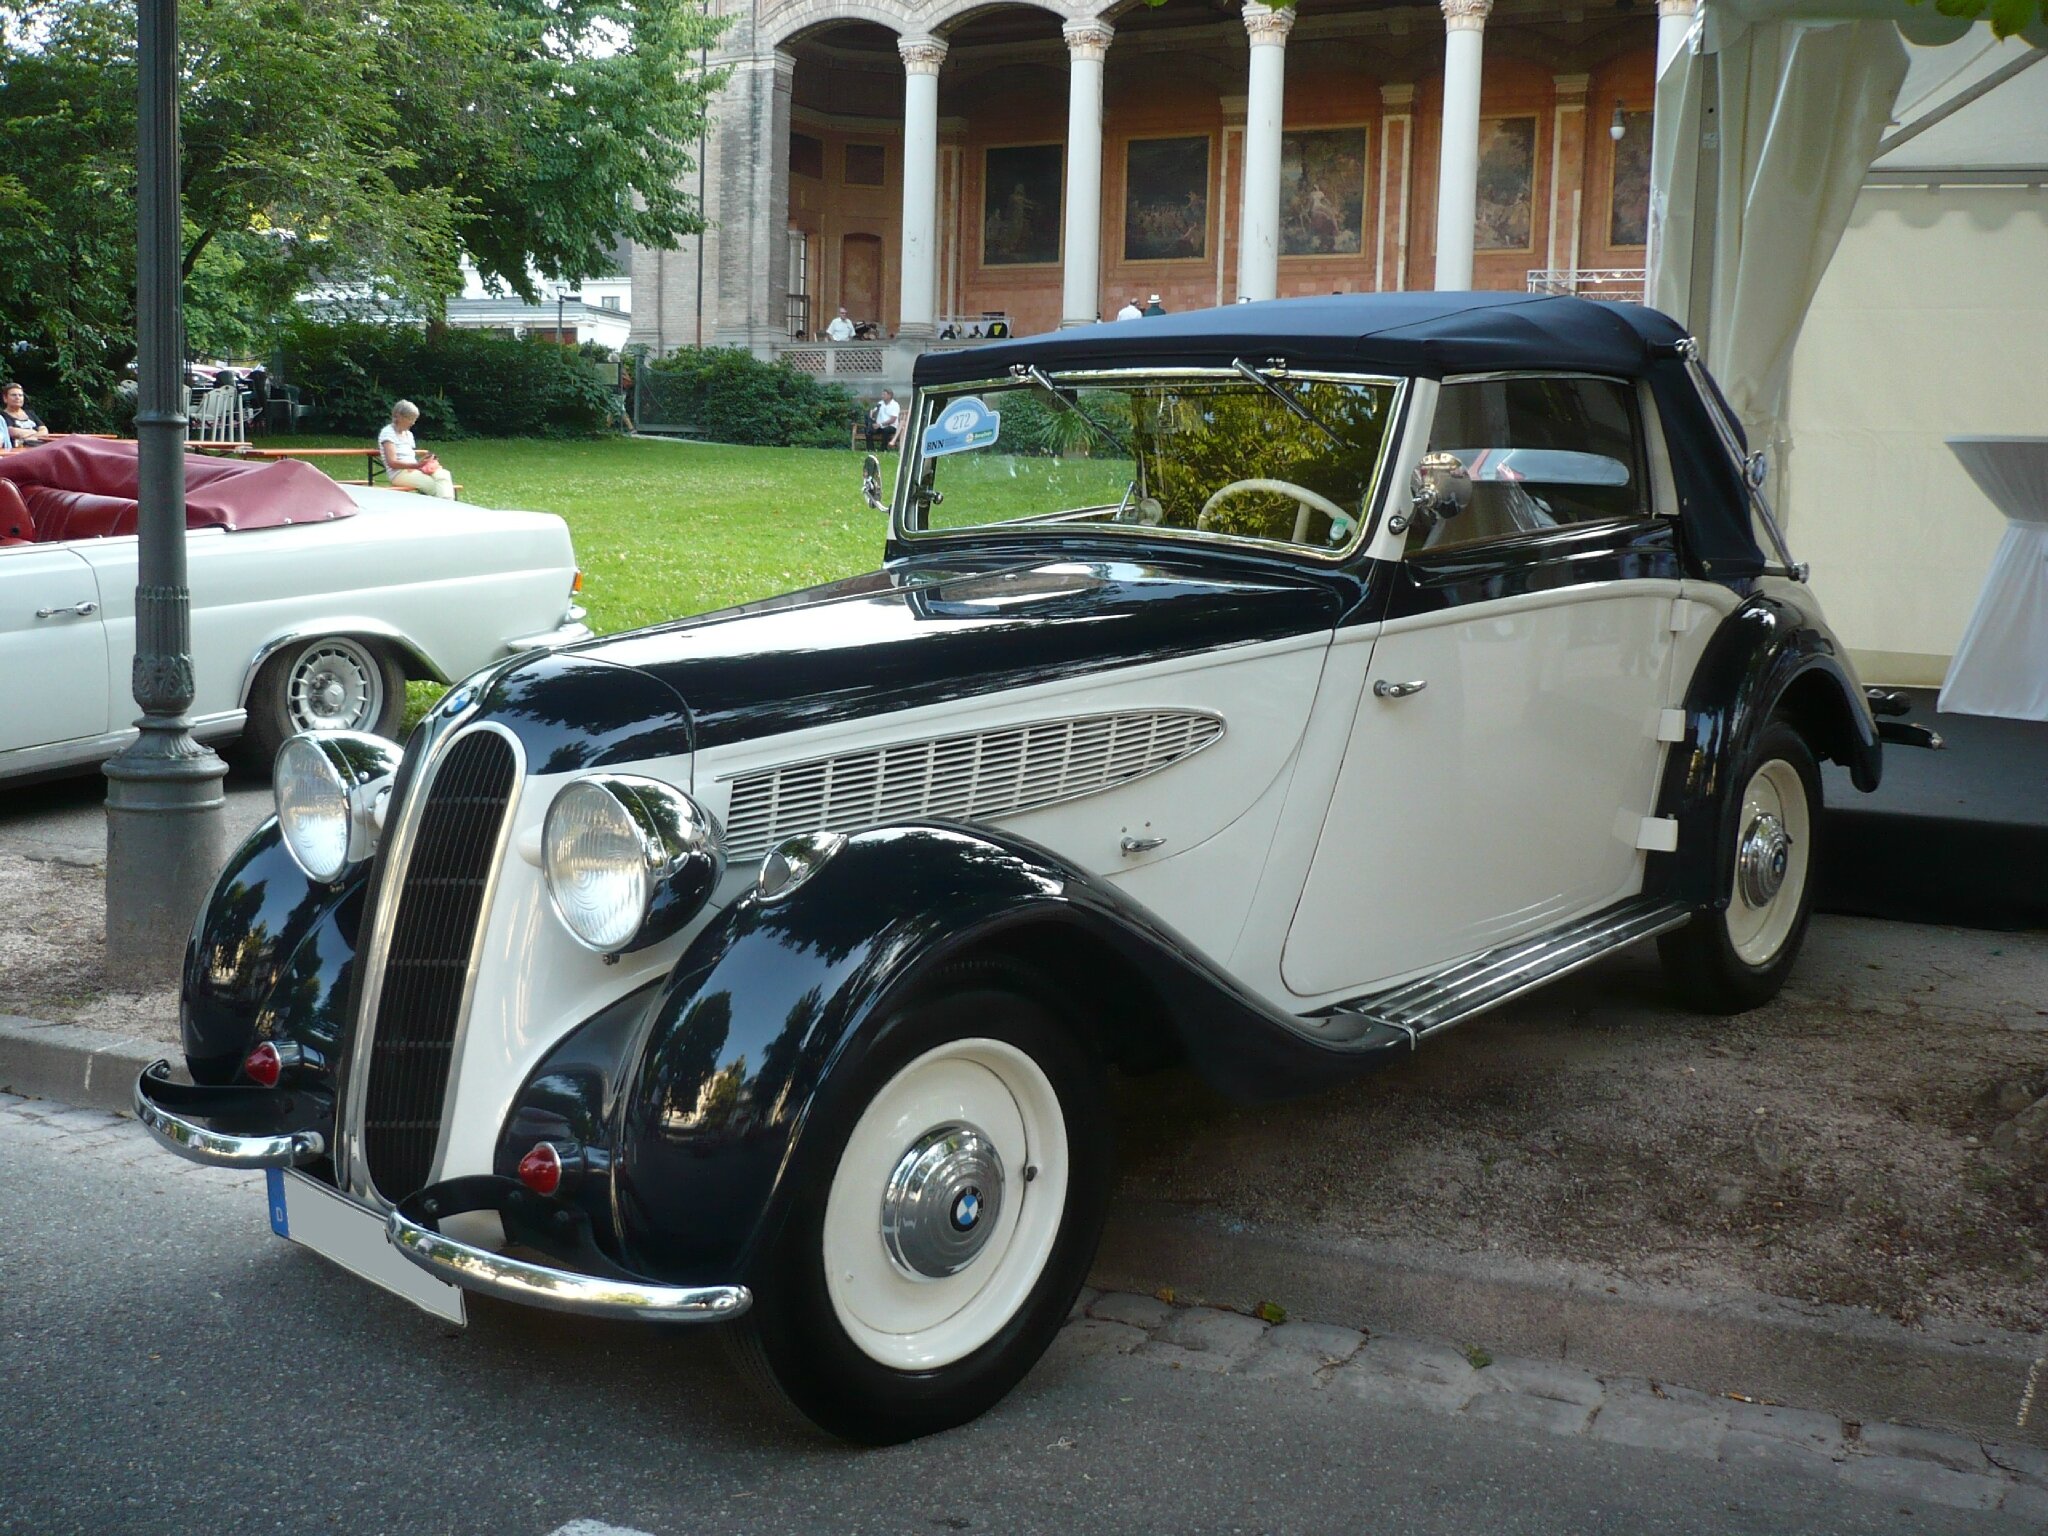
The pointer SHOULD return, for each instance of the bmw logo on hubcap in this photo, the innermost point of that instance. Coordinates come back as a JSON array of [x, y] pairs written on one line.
[[967, 1210]]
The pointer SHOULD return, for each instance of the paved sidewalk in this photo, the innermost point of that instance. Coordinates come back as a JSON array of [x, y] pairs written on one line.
[[1353, 1365]]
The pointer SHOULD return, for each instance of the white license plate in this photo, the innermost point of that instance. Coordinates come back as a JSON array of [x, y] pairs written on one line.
[[309, 1213]]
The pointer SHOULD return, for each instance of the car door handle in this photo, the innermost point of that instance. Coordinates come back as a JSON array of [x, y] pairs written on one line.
[[83, 610], [1382, 689]]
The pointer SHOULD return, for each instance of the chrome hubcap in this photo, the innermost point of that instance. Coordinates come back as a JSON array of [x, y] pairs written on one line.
[[941, 1202], [1763, 858]]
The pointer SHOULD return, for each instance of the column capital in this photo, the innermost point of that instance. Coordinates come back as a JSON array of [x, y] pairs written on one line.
[[1674, 8], [1088, 38], [1398, 97], [921, 55], [1466, 15], [1268, 25]]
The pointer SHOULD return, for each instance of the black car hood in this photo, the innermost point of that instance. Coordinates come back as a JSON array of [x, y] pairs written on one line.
[[908, 636]]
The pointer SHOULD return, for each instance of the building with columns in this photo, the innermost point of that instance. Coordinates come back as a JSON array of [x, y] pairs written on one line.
[[941, 165]]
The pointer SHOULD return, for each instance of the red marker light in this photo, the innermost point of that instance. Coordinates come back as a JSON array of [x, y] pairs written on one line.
[[541, 1169], [264, 1065]]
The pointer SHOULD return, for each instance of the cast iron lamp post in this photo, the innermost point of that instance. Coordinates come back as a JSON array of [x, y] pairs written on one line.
[[164, 798]]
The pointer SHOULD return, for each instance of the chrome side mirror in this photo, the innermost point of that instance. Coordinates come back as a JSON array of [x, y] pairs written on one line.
[[1440, 490], [871, 483], [1755, 469]]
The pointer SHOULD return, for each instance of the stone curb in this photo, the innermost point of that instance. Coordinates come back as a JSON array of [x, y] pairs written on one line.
[[1852, 1364], [89, 1068], [1926, 1467]]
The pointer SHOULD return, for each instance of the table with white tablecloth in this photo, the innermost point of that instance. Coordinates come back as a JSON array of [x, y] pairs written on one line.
[[2001, 666]]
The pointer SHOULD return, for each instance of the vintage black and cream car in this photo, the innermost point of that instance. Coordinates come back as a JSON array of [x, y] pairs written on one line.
[[1265, 689]]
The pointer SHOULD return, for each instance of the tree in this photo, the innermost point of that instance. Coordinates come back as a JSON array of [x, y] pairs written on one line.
[[318, 146]]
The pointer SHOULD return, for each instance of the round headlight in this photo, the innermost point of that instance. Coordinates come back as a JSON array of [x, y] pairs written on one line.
[[597, 865], [628, 860], [312, 808]]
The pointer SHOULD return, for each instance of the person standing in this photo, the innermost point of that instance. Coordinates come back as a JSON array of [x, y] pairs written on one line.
[[1154, 307], [403, 461], [1130, 311], [841, 328]]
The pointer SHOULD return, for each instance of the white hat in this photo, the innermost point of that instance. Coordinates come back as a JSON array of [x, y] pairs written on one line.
[[1153, 300]]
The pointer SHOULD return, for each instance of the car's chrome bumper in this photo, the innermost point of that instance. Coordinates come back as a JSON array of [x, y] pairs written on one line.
[[568, 632], [178, 1116], [561, 1290]]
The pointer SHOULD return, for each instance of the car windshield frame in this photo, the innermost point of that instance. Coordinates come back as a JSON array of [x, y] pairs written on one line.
[[1057, 523]]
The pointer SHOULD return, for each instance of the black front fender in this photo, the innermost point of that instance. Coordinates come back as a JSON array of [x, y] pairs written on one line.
[[773, 1003], [1770, 657], [270, 958]]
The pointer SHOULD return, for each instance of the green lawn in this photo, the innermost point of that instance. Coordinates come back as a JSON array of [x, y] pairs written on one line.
[[664, 529]]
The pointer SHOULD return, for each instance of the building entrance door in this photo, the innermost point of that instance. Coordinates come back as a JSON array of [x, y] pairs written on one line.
[[860, 277]]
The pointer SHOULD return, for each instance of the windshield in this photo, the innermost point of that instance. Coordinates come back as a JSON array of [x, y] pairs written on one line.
[[1256, 455]]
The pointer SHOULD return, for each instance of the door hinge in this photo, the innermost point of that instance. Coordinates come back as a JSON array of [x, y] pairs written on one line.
[[1681, 615], [1671, 725]]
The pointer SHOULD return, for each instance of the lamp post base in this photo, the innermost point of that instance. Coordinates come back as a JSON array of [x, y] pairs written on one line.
[[166, 842]]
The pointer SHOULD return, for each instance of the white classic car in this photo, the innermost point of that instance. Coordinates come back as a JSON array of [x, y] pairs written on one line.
[[1266, 688], [312, 602]]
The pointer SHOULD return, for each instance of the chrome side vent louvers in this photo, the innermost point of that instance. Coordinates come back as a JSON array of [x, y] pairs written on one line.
[[973, 776]]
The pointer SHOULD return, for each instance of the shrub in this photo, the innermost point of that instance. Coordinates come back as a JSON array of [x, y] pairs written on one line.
[[466, 383], [731, 396]]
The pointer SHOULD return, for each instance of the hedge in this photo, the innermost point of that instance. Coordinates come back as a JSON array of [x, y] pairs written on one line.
[[731, 396], [466, 383]]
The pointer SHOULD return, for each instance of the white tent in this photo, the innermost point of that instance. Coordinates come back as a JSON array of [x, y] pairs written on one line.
[[1783, 124]]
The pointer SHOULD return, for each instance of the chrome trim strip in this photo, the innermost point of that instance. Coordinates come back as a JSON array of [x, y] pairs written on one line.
[[196, 1143], [571, 631], [97, 749], [560, 1290]]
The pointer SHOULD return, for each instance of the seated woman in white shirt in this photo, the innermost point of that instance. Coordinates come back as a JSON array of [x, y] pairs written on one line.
[[403, 461]]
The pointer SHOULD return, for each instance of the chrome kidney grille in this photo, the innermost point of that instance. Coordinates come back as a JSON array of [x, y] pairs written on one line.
[[435, 931]]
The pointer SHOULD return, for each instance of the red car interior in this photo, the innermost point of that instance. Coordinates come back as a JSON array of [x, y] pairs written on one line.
[[85, 488]]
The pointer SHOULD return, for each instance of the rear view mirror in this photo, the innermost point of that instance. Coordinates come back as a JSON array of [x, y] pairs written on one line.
[[871, 483]]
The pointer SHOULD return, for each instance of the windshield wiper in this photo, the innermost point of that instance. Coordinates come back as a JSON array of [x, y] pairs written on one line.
[[1070, 400], [1265, 382]]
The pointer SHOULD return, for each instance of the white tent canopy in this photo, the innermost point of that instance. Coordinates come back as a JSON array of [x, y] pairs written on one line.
[[1769, 122]]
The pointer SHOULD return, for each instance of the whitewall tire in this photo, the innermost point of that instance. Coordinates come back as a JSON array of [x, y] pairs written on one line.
[[945, 1210], [1737, 957]]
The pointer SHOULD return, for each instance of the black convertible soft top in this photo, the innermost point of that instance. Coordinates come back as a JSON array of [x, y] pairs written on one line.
[[1431, 334], [1428, 335]]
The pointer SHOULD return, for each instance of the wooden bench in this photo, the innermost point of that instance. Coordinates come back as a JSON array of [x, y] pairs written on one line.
[[373, 461]]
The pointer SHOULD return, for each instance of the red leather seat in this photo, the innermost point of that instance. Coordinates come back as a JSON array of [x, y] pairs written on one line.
[[17, 525], [63, 515]]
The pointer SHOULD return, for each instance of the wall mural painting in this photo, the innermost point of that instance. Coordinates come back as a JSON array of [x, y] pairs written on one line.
[[1507, 184], [1020, 205], [1166, 199], [1322, 192], [1628, 222]]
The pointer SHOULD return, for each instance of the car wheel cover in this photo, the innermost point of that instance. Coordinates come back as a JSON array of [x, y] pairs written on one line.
[[1015, 1135], [1773, 849], [335, 685]]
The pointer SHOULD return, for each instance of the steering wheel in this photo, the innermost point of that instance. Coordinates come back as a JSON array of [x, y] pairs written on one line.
[[1303, 496]]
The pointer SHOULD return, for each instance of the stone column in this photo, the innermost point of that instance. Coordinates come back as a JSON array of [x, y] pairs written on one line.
[[751, 147], [1258, 240], [1457, 177], [1674, 20], [1081, 287], [921, 59]]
